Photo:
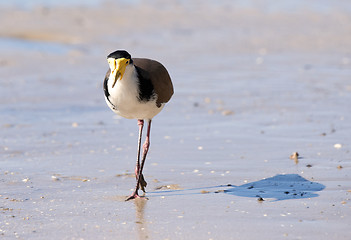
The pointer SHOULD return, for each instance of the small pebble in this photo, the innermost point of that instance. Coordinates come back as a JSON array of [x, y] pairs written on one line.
[[219, 191], [337, 146], [227, 112], [295, 157], [55, 178], [25, 180]]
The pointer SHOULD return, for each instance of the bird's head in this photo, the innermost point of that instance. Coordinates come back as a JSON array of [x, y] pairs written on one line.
[[118, 61]]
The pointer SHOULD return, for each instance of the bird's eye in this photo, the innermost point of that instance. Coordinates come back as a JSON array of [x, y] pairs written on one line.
[[127, 62]]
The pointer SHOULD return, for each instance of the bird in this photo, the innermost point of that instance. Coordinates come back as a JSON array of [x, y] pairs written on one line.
[[137, 88]]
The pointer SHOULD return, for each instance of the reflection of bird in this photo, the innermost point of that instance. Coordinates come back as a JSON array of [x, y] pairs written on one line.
[[137, 88]]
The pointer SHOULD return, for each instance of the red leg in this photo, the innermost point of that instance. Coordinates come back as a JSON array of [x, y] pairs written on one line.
[[139, 168], [146, 146], [137, 165]]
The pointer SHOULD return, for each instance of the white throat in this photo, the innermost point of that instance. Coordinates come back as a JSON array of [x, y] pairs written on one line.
[[125, 97]]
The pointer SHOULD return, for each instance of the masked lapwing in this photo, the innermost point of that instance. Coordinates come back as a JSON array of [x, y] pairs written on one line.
[[137, 88]]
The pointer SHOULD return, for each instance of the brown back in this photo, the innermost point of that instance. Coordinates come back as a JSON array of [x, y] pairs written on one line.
[[159, 77]]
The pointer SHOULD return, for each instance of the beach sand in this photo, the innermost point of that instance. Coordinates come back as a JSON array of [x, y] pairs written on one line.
[[254, 83]]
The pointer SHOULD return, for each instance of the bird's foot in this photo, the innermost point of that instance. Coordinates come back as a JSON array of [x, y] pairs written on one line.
[[135, 195]]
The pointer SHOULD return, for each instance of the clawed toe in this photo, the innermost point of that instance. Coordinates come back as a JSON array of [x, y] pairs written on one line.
[[135, 196]]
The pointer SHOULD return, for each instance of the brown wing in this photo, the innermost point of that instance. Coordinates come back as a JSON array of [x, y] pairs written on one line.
[[159, 77]]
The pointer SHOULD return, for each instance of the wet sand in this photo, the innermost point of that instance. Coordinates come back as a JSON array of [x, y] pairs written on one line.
[[254, 83]]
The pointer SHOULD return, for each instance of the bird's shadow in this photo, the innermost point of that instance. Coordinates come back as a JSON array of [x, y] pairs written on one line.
[[280, 187]]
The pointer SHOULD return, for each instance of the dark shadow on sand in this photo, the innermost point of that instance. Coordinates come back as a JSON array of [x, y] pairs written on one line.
[[279, 187]]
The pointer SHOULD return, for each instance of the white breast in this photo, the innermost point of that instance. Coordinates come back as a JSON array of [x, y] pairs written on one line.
[[124, 96]]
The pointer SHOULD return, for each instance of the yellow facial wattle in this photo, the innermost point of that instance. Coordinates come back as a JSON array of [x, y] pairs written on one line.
[[118, 68]]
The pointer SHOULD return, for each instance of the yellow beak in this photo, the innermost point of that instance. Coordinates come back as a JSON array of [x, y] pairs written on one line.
[[118, 68]]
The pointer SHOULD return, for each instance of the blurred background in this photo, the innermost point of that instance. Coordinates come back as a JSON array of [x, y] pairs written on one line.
[[67, 41], [182, 27]]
